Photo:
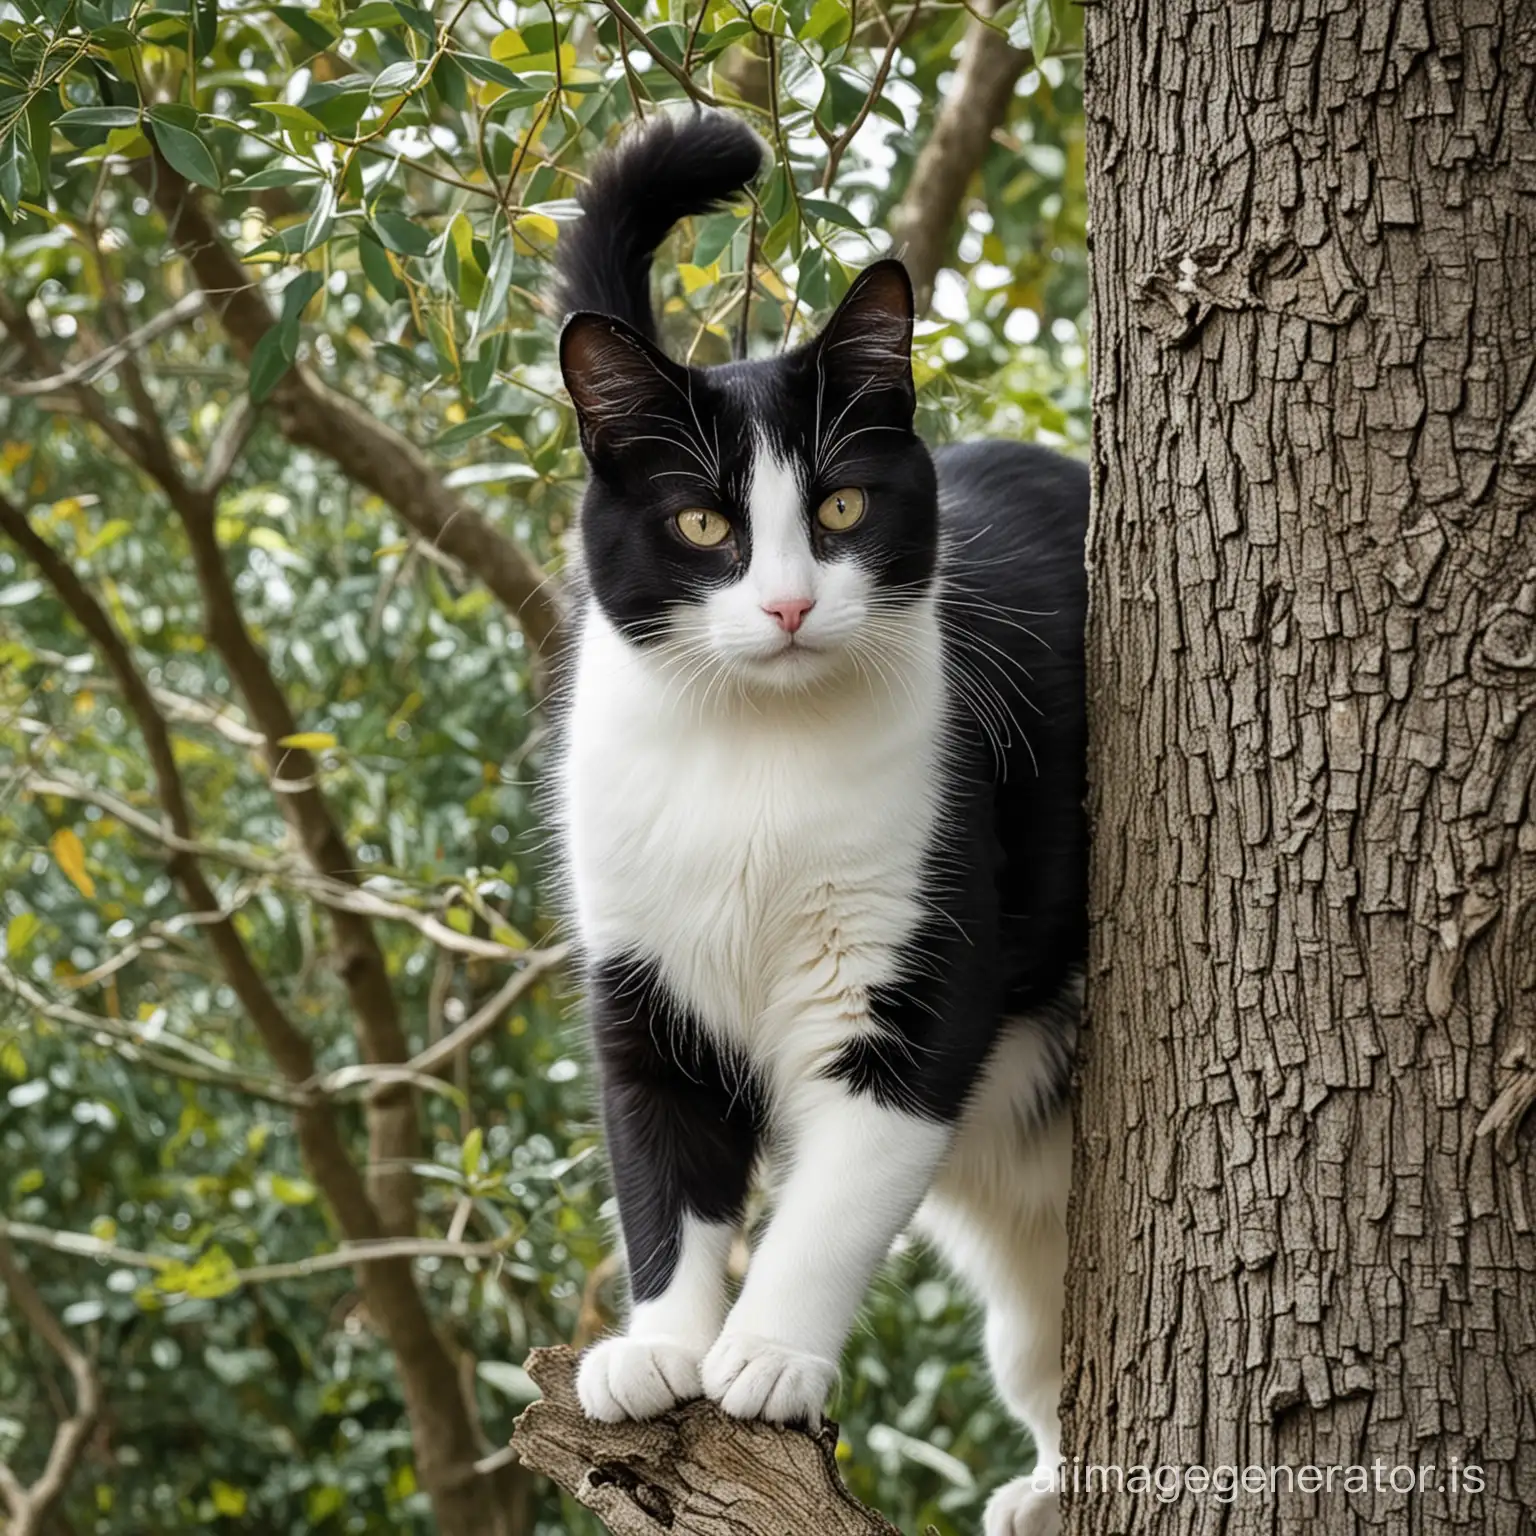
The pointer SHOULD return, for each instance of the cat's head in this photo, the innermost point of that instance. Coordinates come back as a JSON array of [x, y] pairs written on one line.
[[772, 520]]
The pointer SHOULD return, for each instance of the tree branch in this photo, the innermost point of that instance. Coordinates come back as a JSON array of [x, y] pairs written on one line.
[[923, 223], [443, 1435], [92, 367], [374, 455], [30, 1506], [693, 1472]]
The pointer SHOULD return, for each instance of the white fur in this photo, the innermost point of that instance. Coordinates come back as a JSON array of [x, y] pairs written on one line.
[[658, 1360], [770, 866], [855, 1172], [732, 623], [997, 1212]]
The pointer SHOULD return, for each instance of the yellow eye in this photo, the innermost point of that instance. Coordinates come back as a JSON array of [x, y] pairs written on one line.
[[841, 510], [702, 527]]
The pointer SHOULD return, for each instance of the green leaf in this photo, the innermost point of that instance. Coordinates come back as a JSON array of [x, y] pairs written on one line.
[[98, 117], [401, 234], [278, 176], [270, 360], [715, 233], [394, 80], [498, 280], [834, 213], [1033, 28], [377, 13], [15, 167], [184, 150], [205, 26], [812, 285], [472, 1150], [376, 268], [303, 22], [289, 115], [489, 70], [322, 218]]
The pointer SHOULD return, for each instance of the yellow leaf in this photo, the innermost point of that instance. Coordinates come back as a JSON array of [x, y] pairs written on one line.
[[227, 1500], [14, 455], [770, 280], [292, 1191], [308, 741], [536, 224], [695, 278], [213, 1275], [20, 932], [269, 539], [104, 1229], [508, 44], [13, 1064], [69, 855], [470, 1153]]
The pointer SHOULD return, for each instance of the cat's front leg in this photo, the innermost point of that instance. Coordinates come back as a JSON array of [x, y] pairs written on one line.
[[682, 1128], [858, 1170]]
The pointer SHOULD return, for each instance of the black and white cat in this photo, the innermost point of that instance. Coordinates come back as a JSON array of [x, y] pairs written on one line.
[[820, 792]]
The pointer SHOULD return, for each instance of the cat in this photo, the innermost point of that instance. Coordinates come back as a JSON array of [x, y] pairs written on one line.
[[820, 796]]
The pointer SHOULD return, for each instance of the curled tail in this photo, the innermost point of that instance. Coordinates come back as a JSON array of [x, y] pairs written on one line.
[[671, 168]]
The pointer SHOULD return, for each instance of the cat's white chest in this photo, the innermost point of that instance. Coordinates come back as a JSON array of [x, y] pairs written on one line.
[[770, 861]]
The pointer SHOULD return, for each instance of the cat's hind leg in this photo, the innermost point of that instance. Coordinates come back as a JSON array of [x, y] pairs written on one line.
[[997, 1213]]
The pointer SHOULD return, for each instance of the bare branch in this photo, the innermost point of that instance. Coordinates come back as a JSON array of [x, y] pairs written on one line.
[[628, 24], [30, 1506], [839, 147], [129, 441], [347, 1256], [167, 1053], [489, 1013], [228, 444], [693, 1472], [923, 222], [91, 368], [338, 895]]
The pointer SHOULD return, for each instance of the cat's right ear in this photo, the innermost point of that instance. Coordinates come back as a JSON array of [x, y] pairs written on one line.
[[619, 383]]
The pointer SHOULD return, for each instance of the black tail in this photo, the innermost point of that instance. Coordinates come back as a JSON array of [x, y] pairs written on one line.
[[671, 168]]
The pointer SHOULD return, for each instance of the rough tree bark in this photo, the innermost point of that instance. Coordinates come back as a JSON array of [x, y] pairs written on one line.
[[692, 1472], [1302, 1229]]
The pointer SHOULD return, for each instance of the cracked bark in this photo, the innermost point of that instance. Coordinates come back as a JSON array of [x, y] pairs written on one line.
[[1302, 1229], [692, 1472]]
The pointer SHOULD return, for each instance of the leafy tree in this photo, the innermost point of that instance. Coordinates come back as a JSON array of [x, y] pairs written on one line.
[[297, 1146]]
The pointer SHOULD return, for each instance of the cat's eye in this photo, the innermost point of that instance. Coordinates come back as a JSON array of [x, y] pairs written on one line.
[[702, 527], [841, 510]]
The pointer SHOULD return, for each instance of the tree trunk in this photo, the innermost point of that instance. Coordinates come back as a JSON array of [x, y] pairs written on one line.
[[1302, 1226]]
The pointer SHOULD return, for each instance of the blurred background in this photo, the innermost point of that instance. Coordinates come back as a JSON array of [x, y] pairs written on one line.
[[286, 476]]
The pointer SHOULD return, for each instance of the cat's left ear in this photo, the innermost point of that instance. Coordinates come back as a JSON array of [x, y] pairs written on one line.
[[865, 351], [619, 382]]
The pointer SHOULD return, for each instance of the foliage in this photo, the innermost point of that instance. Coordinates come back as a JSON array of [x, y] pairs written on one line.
[[393, 179]]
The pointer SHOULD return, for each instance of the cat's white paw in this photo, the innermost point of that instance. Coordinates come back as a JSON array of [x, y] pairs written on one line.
[[754, 1378], [637, 1378], [1023, 1508]]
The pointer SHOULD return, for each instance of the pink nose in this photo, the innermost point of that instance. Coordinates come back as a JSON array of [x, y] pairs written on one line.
[[789, 612]]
